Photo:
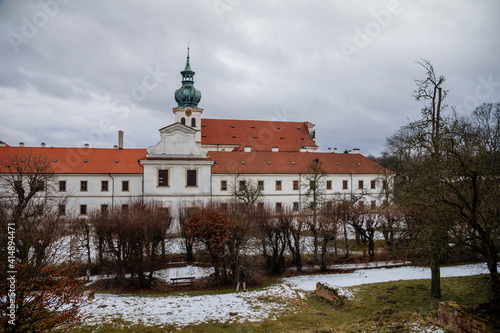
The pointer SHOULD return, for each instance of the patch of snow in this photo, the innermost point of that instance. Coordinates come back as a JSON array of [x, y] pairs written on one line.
[[184, 310], [373, 264], [359, 277], [188, 271]]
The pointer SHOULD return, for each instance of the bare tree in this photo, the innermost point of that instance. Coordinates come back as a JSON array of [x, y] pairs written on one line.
[[295, 239], [420, 143], [470, 185], [329, 222], [247, 191], [273, 231], [184, 215], [42, 292], [133, 239], [313, 199]]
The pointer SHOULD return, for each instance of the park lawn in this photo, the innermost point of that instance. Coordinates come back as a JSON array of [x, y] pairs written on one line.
[[380, 307]]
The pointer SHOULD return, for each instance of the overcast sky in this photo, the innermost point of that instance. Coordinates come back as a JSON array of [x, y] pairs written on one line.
[[75, 72]]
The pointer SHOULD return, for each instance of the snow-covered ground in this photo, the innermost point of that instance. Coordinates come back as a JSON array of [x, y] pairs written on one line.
[[366, 276], [249, 306], [184, 310]]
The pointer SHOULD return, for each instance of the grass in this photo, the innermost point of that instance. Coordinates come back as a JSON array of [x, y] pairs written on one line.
[[381, 307]]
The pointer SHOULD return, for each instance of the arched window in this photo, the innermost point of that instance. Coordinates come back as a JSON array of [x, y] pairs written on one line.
[[193, 122], [183, 121]]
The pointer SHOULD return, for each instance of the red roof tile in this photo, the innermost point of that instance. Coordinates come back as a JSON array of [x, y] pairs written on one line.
[[259, 135], [81, 160], [291, 162]]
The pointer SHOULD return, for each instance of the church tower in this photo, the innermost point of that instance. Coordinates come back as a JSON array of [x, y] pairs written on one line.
[[187, 97]]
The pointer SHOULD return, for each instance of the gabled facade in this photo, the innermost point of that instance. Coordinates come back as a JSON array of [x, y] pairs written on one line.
[[177, 171], [200, 160]]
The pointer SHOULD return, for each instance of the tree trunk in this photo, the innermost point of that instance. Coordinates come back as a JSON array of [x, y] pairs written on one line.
[[492, 262], [346, 241], [435, 278]]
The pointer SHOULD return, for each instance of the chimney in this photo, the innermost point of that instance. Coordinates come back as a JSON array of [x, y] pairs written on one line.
[[356, 151], [115, 147], [86, 145], [120, 139], [21, 144], [248, 149], [275, 149], [43, 145], [335, 150], [3, 144], [329, 149]]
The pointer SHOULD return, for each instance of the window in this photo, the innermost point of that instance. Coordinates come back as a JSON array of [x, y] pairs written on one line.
[[328, 184], [124, 208], [373, 184], [223, 206], [260, 206], [329, 206], [242, 185], [373, 204], [40, 185], [39, 210], [191, 178], [361, 184], [345, 184], [193, 122], [361, 204], [83, 186], [279, 206], [223, 185], [62, 186], [183, 121], [61, 209], [295, 206], [83, 209], [125, 185], [104, 185], [104, 209], [295, 185], [260, 185], [312, 185], [163, 177], [278, 185]]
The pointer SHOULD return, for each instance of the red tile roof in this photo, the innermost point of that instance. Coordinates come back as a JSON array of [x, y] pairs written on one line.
[[81, 160], [292, 162], [103, 161], [260, 135]]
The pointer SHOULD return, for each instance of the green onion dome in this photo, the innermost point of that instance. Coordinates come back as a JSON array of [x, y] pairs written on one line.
[[187, 94]]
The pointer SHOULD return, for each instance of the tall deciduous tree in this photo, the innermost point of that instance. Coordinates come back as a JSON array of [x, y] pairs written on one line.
[[420, 143], [471, 185], [313, 199], [450, 180], [41, 291]]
